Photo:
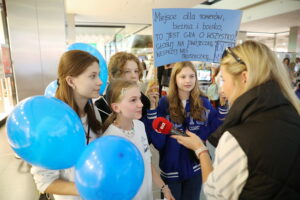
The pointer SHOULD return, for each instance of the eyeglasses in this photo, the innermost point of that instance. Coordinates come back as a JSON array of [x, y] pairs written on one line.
[[228, 50]]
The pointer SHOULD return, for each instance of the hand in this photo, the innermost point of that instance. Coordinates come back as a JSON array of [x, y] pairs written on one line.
[[153, 96], [192, 142], [223, 99], [167, 194]]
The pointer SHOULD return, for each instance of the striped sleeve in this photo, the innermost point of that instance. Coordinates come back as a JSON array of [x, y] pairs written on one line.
[[230, 172]]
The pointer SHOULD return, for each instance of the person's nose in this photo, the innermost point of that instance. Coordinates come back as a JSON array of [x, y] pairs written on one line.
[[99, 82], [140, 104], [134, 74]]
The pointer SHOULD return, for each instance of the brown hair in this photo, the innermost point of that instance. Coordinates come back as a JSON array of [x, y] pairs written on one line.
[[176, 109], [117, 63], [73, 63], [115, 95]]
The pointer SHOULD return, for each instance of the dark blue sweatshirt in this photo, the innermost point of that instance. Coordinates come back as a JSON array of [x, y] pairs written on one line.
[[175, 161]]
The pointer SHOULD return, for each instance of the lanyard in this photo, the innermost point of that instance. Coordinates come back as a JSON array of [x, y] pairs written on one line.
[[88, 135]]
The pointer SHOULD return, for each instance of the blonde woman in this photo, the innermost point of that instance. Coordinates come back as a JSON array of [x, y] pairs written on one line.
[[258, 152]]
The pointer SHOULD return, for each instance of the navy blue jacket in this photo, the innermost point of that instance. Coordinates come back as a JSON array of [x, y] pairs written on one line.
[[177, 162]]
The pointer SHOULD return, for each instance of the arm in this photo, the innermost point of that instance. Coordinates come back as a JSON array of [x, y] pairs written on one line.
[[49, 181], [161, 184], [62, 187], [193, 142], [229, 173], [222, 109], [215, 117], [157, 139]]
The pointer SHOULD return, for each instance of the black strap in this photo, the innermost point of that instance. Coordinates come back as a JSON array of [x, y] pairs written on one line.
[[88, 135]]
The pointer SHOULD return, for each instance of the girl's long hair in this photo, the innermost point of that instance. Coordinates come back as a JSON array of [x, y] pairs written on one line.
[[115, 94], [73, 63], [262, 65], [177, 112]]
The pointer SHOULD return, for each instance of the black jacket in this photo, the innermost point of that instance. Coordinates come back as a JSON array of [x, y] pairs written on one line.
[[267, 127]]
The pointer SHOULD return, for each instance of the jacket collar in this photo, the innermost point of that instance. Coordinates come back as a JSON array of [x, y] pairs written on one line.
[[258, 99]]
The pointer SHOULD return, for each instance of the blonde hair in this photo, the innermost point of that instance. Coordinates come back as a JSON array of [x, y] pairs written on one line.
[[117, 63], [262, 65], [176, 109], [117, 89]]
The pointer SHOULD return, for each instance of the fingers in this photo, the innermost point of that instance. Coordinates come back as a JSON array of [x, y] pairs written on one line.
[[189, 133], [180, 139]]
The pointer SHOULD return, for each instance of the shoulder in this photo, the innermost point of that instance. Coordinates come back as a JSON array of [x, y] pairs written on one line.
[[111, 130], [205, 102], [204, 99], [138, 124], [164, 100]]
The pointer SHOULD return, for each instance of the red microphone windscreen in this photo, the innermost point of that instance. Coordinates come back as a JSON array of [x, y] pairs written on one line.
[[162, 125]]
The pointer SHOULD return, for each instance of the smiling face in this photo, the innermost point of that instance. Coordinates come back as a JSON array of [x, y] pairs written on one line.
[[131, 71], [186, 80], [130, 105], [87, 84]]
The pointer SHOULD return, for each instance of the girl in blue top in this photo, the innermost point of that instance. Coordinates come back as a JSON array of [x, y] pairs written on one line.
[[187, 109]]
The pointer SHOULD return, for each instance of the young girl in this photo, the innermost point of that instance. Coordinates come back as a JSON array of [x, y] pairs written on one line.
[[125, 66], [78, 82], [187, 109], [124, 99]]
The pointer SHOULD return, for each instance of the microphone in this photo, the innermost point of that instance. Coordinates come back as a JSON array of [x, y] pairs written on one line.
[[164, 126]]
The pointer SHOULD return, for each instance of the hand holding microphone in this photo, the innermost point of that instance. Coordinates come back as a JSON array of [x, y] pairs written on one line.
[[164, 126]]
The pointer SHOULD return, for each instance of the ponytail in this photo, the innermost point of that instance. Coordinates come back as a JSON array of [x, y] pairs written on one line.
[[111, 118], [93, 122]]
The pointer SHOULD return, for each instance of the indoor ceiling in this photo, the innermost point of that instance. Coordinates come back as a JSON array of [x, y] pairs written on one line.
[[274, 24], [274, 15]]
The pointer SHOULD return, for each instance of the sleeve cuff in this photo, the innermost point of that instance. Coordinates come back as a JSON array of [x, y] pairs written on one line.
[[152, 114]]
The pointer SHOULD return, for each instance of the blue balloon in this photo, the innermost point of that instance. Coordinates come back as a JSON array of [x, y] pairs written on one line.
[[102, 64], [111, 167], [46, 132], [51, 89]]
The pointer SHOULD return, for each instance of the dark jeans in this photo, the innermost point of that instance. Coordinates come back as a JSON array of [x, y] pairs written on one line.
[[188, 189]]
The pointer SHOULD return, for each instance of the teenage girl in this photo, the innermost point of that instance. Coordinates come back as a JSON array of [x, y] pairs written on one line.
[[78, 82], [123, 65], [187, 109], [124, 100]]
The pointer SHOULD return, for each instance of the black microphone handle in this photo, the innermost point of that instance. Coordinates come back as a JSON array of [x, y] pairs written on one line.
[[178, 132]]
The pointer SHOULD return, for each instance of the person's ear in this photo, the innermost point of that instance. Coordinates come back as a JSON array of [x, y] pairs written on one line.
[[115, 107], [70, 81], [244, 77]]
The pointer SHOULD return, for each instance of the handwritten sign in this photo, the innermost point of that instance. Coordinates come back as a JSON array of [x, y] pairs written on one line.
[[189, 34]]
